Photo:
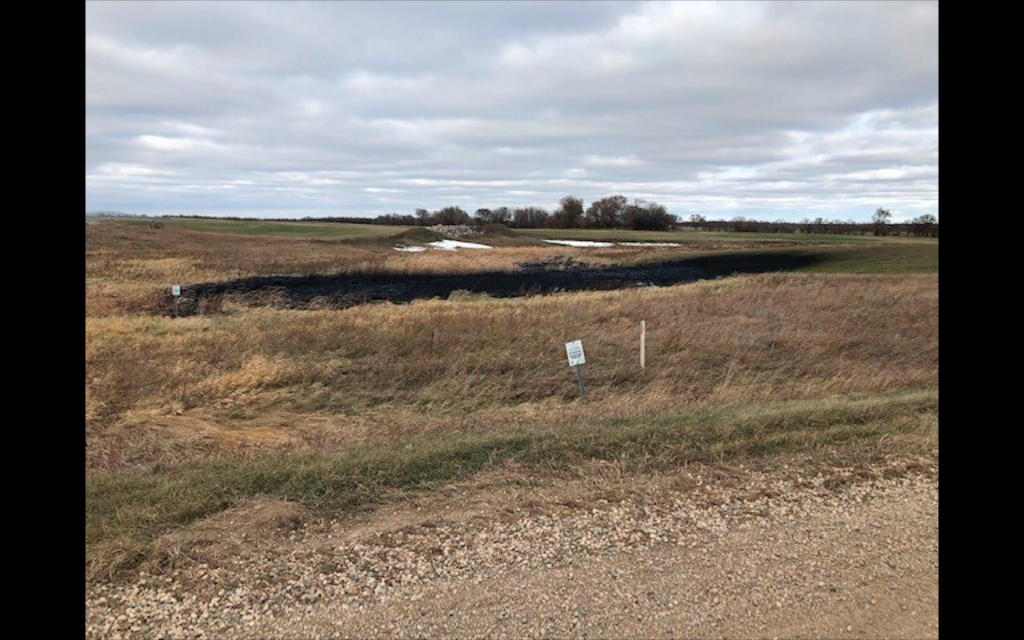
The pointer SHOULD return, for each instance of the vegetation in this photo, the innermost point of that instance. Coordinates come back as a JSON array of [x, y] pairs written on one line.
[[270, 228], [569, 214], [613, 212], [708, 240], [880, 221], [127, 512], [926, 225], [616, 212], [904, 257], [818, 226], [346, 409]]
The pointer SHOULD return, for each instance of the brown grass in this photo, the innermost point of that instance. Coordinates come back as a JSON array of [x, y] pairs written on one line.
[[131, 269], [246, 382], [188, 417]]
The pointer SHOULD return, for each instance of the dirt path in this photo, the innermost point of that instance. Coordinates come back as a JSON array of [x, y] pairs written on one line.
[[841, 554]]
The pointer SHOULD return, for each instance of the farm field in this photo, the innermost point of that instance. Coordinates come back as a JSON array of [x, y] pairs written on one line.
[[818, 354], [706, 237], [258, 228]]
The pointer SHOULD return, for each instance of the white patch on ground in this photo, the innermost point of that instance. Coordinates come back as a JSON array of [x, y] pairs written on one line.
[[410, 249], [597, 243], [582, 243], [648, 244], [452, 245]]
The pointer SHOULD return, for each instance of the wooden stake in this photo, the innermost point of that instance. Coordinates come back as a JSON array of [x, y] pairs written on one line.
[[643, 343]]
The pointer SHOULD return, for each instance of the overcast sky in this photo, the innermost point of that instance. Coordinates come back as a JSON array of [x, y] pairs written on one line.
[[772, 110]]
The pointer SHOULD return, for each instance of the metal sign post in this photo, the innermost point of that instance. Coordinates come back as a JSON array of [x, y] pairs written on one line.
[[574, 352], [583, 385]]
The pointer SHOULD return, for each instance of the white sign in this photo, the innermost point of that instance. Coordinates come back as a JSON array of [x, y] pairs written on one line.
[[175, 290], [574, 350]]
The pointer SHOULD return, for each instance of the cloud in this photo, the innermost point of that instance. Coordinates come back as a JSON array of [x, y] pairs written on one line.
[[761, 109], [617, 161], [162, 143]]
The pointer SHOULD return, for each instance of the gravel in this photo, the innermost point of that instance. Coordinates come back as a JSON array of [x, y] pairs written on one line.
[[842, 553]]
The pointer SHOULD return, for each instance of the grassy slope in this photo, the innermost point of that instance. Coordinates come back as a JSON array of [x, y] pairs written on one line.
[[906, 257], [772, 336], [127, 512], [834, 254]]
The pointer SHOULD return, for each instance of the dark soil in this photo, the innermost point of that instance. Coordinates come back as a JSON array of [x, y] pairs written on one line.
[[342, 291]]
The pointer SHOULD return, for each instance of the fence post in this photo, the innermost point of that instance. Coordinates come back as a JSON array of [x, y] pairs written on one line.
[[643, 343]]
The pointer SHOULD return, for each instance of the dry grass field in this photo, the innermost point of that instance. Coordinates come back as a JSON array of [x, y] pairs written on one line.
[[340, 409]]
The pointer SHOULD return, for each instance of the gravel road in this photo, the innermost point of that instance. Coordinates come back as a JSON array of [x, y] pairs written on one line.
[[842, 553]]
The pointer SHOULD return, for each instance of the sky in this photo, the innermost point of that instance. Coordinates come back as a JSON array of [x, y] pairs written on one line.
[[767, 110]]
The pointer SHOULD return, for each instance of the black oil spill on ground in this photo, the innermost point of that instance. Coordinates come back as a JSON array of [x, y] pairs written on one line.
[[341, 291]]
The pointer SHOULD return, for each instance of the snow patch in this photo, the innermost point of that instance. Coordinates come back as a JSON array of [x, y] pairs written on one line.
[[649, 244], [410, 249], [597, 243], [452, 245], [582, 243]]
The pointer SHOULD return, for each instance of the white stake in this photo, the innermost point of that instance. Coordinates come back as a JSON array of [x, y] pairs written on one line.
[[643, 343]]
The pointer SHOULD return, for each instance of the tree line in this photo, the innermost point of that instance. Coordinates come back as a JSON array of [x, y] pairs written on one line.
[[617, 212], [925, 225], [613, 212]]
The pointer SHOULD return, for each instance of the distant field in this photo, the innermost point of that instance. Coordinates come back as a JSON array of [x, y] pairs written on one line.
[[905, 257], [367, 231], [699, 237], [130, 266], [267, 228]]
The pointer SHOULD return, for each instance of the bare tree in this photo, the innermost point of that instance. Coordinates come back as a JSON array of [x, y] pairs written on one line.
[[451, 215], [647, 216], [529, 218], [880, 221], [569, 214], [606, 213], [925, 225]]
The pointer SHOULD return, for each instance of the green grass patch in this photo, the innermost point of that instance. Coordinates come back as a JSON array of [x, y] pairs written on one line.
[[905, 257], [130, 510]]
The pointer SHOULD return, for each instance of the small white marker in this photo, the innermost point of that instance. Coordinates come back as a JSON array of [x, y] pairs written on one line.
[[175, 290], [574, 352]]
